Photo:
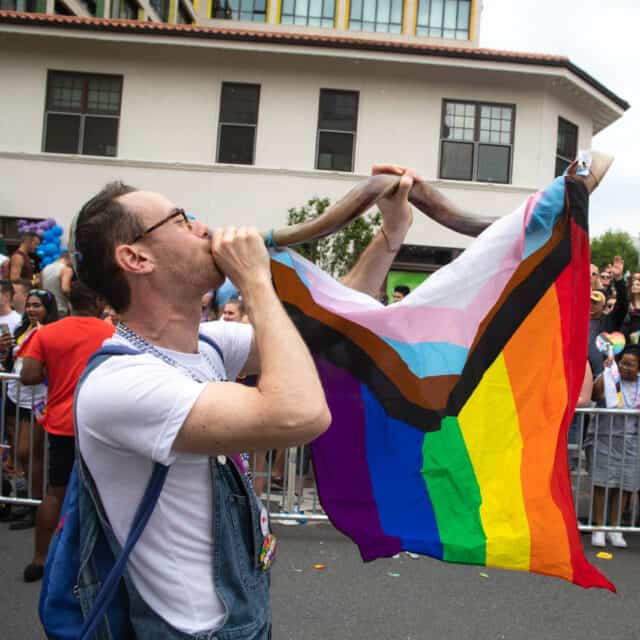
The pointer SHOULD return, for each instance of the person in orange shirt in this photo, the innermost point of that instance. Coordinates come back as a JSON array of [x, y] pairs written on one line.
[[59, 353]]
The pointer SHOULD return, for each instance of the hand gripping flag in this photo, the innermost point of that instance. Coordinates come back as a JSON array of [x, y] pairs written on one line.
[[451, 408]]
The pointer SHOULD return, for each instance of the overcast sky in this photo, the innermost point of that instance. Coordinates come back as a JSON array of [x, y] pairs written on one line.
[[603, 38]]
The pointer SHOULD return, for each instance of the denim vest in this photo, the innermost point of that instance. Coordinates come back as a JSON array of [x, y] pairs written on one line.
[[239, 580]]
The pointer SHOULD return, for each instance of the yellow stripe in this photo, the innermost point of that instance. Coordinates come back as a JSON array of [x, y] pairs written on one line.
[[414, 30], [140, 13], [347, 9], [173, 11], [279, 10], [489, 425], [209, 3], [472, 17], [196, 5]]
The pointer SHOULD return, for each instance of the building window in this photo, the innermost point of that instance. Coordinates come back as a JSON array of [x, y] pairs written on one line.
[[567, 147], [444, 19], [313, 13], [384, 16], [82, 113], [183, 16], [337, 125], [29, 6], [476, 141], [124, 9], [161, 7], [249, 10], [238, 123]]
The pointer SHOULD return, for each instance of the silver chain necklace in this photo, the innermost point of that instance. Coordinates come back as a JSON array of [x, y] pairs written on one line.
[[143, 345]]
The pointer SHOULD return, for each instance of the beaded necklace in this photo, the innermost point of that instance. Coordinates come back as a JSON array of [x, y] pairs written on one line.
[[143, 345]]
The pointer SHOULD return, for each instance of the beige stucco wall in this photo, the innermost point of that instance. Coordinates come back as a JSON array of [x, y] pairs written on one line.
[[169, 117]]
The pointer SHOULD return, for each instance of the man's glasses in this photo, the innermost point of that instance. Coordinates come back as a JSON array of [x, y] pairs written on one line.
[[176, 213]]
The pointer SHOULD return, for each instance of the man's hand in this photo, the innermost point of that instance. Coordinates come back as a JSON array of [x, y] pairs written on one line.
[[617, 268], [241, 255], [397, 215]]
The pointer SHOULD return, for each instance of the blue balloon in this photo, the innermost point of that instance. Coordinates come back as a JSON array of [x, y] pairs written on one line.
[[57, 231]]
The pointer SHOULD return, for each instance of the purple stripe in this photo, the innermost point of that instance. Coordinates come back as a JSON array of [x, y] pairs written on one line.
[[342, 472]]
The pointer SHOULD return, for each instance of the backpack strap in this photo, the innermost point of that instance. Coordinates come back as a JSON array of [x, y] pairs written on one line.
[[212, 343], [141, 517]]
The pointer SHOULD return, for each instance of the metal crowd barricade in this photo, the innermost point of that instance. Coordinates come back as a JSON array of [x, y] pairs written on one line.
[[285, 483], [16, 481], [604, 460], [284, 480]]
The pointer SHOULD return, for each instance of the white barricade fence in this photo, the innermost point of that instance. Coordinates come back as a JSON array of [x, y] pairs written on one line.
[[23, 447]]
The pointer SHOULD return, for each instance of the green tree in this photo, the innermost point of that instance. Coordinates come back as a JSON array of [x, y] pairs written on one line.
[[614, 243], [337, 253]]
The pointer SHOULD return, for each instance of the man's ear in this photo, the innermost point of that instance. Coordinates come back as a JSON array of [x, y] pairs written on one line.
[[133, 260]]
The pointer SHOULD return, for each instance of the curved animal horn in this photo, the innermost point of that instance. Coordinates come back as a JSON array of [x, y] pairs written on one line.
[[363, 196], [423, 196]]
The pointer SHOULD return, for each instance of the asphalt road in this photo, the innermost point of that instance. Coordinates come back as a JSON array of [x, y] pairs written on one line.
[[394, 599]]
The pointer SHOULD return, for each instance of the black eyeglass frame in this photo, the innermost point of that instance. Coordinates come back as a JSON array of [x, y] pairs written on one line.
[[174, 214]]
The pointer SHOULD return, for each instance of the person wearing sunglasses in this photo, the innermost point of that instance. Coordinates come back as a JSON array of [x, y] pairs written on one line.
[[174, 401]]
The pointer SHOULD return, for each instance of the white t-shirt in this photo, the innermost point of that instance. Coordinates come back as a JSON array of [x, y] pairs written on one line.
[[13, 319], [129, 412]]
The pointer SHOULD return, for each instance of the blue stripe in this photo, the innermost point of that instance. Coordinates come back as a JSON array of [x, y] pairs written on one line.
[[394, 457], [431, 358], [285, 259], [547, 211]]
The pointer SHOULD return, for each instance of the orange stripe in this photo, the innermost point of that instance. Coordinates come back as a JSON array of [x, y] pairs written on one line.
[[540, 394]]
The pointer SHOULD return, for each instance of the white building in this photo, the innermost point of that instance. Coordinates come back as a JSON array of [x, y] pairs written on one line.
[[239, 122]]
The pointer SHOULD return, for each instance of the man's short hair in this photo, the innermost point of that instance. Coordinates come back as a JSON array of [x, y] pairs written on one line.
[[402, 289], [83, 299], [102, 224], [237, 302], [7, 288], [22, 282]]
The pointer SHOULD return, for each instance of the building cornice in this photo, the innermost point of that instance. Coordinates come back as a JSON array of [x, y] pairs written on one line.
[[217, 168], [278, 35]]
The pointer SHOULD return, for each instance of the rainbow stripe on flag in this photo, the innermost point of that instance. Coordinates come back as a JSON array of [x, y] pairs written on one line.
[[451, 408]]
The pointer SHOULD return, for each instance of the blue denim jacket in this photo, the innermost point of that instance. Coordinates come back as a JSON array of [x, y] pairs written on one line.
[[240, 582]]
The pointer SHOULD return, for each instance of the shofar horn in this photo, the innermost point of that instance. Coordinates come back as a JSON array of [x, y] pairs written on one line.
[[423, 196]]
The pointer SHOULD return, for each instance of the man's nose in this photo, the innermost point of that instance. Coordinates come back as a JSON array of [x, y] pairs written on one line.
[[199, 228]]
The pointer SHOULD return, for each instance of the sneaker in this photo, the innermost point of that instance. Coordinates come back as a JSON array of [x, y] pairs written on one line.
[[617, 539], [598, 539]]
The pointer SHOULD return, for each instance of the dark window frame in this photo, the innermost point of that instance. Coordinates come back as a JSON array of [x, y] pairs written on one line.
[[162, 8], [284, 17], [222, 123], [476, 138], [116, 5], [221, 10], [83, 112], [353, 133], [559, 157], [426, 29], [388, 23]]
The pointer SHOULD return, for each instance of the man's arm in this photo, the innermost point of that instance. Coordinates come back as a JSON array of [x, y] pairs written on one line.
[[369, 272], [15, 266], [288, 406], [33, 371], [66, 275]]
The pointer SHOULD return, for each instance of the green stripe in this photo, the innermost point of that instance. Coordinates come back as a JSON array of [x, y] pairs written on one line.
[[455, 494]]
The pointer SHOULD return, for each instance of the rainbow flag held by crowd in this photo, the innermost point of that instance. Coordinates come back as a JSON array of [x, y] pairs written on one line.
[[451, 408]]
